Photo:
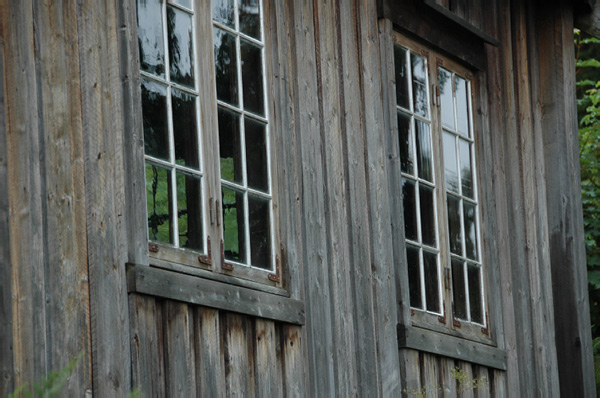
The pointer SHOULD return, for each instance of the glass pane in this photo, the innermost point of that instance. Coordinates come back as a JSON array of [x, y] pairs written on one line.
[[184, 129], [150, 37], [158, 200], [404, 137], [189, 211], [230, 146], [260, 232], [252, 78], [466, 173], [454, 224], [470, 230], [462, 114], [250, 17], [226, 66], [414, 276], [450, 163], [427, 215], [410, 209], [185, 3], [402, 96], [233, 225], [181, 51], [458, 290], [155, 121], [223, 12], [424, 154], [256, 155], [473, 273], [432, 289], [445, 80], [419, 74]]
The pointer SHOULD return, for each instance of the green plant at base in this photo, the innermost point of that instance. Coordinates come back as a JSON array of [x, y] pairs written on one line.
[[465, 383], [49, 387]]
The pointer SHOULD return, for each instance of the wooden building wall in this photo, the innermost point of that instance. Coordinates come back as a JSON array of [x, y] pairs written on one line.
[[69, 132]]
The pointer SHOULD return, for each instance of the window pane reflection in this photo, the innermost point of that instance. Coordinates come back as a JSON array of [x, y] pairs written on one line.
[[414, 276], [184, 129], [402, 96], [223, 12], [181, 51], [155, 121], [233, 225], [454, 224], [410, 209], [256, 155], [470, 230], [458, 290], [432, 292], [419, 85], [404, 137], [252, 77], [226, 66], [150, 37], [450, 162], [466, 173], [230, 146], [473, 273], [260, 232], [189, 211], [158, 198], [446, 98], [427, 215], [250, 17], [462, 112], [424, 153]]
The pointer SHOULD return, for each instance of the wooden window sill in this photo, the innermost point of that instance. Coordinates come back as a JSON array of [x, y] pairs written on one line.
[[450, 346], [173, 285]]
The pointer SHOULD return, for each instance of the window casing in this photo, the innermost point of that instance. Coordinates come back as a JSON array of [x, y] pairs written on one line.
[[442, 228], [204, 93]]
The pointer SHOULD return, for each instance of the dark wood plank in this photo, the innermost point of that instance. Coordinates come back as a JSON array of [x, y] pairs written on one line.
[[6, 315], [105, 196], [147, 346], [210, 360], [180, 364], [25, 193], [173, 285], [565, 223]]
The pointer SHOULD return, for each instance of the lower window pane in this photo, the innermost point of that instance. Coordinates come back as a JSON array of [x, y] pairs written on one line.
[[260, 232], [233, 225], [410, 209], [414, 276], [158, 197], [189, 211], [458, 290], [473, 273], [432, 290], [427, 215]]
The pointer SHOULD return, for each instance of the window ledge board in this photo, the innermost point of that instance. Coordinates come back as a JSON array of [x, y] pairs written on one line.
[[450, 346], [210, 293]]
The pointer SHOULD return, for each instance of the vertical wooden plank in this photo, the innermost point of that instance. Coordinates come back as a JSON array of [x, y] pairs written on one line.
[[483, 381], [447, 380], [24, 193], [380, 270], [464, 383], [430, 381], [105, 196], [67, 288], [210, 366], [565, 223], [147, 346], [317, 294], [239, 355], [133, 138], [410, 371], [268, 367], [6, 315], [180, 372], [333, 132], [293, 369], [498, 384]]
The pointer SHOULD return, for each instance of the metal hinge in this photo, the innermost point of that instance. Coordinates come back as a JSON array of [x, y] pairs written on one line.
[[208, 258], [225, 265]]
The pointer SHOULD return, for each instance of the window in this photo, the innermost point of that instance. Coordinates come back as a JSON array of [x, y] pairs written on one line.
[[203, 88], [439, 190]]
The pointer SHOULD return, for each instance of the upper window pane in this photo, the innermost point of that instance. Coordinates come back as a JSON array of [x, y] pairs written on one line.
[[223, 12], [181, 50], [250, 17], [226, 66], [401, 71], [419, 84], [150, 37]]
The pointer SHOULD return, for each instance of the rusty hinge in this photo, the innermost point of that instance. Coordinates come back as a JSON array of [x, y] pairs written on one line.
[[439, 61], [412, 312], [225, 265], [153, 247], [486, 329], [276, 276], [456, 322], [208, 258]]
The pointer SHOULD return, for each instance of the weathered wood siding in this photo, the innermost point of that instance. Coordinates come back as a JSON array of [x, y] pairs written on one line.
[[70, 156]]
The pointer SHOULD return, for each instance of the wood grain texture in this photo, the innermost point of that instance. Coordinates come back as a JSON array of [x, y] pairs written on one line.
[[210, 363], [180, 364], [147, 348], [239, 355], [6, 315], [25, 193], [105, 197], [268, 369]]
